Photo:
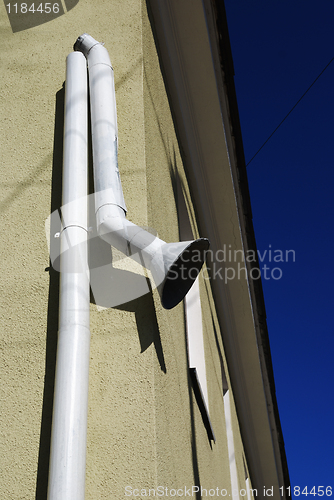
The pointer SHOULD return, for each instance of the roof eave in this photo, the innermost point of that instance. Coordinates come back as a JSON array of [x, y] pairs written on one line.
[[200, 85]]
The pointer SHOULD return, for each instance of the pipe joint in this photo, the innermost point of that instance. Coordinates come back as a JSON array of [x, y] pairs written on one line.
[[84, 43], [94, 49]]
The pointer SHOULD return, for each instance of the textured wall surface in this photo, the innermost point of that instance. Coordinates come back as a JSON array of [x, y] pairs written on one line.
[[145, 428]]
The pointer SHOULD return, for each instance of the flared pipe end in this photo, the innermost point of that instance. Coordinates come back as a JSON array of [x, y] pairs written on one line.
[[182, 272], [84, 43]]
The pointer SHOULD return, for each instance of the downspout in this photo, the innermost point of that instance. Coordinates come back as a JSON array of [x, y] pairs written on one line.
[[174, 266], [69, 422]]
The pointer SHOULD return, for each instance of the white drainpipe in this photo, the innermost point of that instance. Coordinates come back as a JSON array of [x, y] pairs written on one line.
[[164, 260], [69, 423]]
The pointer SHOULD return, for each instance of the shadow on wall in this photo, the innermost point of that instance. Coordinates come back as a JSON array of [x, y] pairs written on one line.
[[124, 290], [53, 306], [22, 16], [147, 325]]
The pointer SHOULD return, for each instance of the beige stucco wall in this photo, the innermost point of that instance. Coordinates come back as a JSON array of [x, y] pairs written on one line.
[[144, 427]]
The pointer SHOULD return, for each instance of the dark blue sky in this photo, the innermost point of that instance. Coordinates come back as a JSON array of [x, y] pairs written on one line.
[[279, 48]]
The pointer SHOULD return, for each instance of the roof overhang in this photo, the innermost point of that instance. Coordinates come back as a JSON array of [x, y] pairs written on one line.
[[194, 50]]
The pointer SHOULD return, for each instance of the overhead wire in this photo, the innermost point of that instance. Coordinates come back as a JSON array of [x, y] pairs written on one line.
[[293, 107]]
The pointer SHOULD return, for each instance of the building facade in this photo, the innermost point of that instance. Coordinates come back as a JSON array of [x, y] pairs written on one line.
[[182, 401]]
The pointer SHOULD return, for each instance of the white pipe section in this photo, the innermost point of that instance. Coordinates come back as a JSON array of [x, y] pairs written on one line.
[[112, 226], [108, 189], [230, 446], [162, 259], [69, 423], [194, 328]]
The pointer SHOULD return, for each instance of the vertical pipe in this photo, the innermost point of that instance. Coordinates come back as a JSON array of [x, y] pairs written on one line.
[[108, 188], [69, 423]]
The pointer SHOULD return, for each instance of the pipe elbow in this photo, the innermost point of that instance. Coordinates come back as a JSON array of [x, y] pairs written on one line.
[[84, 43], [132, 240], [93, 50]]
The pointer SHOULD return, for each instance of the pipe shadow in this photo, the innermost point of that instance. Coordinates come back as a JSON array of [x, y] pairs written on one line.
[[53, 306], [147, 325], [124, 290], [194, 453]]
